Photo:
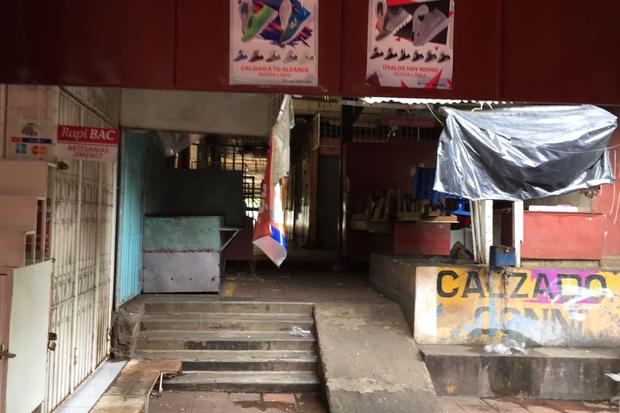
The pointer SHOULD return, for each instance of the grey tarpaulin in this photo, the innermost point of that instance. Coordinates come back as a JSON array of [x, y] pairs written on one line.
[[524, 153]]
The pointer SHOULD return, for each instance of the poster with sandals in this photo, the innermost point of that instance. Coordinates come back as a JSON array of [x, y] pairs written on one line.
[[274, 42], [410, 43]]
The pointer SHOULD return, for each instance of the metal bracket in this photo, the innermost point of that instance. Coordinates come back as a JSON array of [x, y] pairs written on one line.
[[4, 353], [160, 390], [51, 340]]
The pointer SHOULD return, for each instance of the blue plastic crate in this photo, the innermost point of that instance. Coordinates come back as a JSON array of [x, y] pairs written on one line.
[[502, 256]]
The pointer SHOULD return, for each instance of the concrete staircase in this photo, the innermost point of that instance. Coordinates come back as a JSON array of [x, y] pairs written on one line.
[[232, 345]]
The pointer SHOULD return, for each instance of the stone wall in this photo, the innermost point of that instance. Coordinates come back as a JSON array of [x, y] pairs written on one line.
[[395, 278]]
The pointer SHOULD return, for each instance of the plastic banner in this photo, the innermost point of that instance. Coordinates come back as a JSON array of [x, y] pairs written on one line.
[[410, 43], [269, 230]]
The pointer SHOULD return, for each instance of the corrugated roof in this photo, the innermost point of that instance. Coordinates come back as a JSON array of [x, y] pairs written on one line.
[[419, 101]]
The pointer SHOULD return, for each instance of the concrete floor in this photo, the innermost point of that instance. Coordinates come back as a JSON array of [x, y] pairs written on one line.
[[200, 402], [475, 405], [301, 285], [307, 285]]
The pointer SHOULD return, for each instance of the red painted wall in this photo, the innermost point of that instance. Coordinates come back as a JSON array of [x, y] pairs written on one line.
[[380, 166], [567, 236], [561, 51], [599, 238], [88, 42], [202, 47], [608, 202], [477, 45], [418, 238], [526, 50]]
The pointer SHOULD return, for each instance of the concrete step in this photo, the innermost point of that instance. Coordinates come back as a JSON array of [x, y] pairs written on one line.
[[545, 373], [246, 381], [206, 306], [222, 340], [237, 360], [225, 321]]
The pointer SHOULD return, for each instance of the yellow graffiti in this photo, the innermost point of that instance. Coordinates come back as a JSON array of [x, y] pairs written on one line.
[[542, 306]]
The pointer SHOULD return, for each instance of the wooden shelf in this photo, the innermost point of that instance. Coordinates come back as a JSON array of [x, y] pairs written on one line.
[[374, 227], [450, 219]]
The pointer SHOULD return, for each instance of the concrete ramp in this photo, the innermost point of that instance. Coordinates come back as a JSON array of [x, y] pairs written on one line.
[[370, 362]]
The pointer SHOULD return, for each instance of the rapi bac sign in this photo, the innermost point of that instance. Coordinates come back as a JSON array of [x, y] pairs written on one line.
[[87, 144]]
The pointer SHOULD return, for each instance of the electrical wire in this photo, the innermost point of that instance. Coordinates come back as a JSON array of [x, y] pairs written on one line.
[[435, 116]]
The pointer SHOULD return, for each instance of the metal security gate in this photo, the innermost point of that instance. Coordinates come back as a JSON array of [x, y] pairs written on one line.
[[328, 200], [83, 222]]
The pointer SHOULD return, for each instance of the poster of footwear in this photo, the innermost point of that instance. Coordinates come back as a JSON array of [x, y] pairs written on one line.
[[410, 43], [274, 42]]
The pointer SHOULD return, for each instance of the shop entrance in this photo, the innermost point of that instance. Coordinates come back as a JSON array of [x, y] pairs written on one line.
[[199, 197]]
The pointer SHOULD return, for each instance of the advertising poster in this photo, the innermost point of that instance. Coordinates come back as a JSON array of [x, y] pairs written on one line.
[[274, 42], [30, 140], [87, 144], [410, 43]]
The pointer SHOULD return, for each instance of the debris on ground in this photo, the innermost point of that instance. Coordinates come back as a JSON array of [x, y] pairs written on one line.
[[506, 347], [300, 332]]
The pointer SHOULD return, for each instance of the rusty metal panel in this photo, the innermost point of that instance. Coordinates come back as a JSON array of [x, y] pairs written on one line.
[[182, 254], [181, 272], [182, 234]]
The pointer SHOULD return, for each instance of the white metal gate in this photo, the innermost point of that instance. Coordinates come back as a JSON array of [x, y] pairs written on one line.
[[83, 198]]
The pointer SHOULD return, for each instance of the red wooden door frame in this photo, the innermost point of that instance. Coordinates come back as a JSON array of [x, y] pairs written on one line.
[[6, 293]]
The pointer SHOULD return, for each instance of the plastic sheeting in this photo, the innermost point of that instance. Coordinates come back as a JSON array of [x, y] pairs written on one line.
[[173, 143], [282, 139], [524, 152]]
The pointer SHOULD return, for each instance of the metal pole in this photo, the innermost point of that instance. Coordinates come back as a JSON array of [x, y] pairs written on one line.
[[113, 253], [97, 234], [76, 278]]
